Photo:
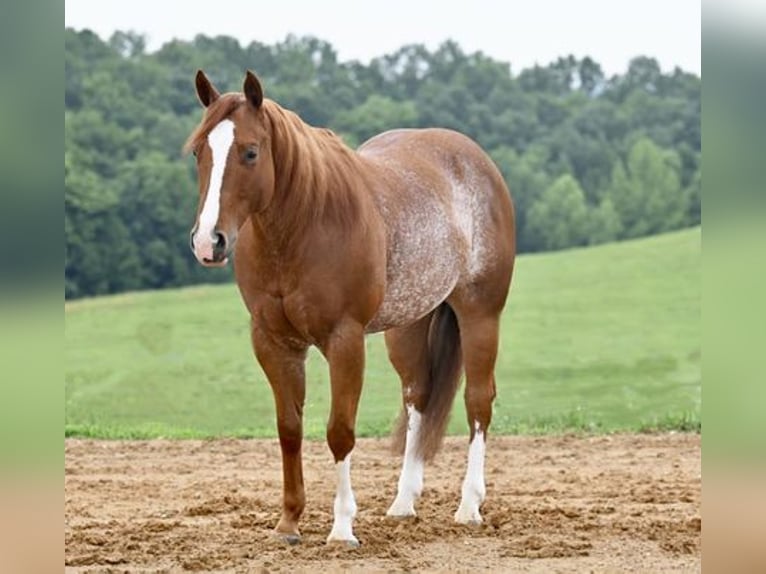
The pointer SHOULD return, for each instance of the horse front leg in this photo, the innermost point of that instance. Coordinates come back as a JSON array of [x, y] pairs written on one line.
[[284, 366], [345, 354]]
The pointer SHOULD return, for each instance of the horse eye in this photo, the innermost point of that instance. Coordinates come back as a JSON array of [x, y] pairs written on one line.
[[250, 154]]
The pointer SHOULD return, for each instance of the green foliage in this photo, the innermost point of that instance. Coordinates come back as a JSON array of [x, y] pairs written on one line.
[[605, 224], [631, 143], [694, 199], [599, 339], [647, 192], [560, 217], [377, 114]]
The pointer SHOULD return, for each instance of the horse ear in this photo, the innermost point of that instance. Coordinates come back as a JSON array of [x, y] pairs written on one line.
[[253, 90], [206, 91]]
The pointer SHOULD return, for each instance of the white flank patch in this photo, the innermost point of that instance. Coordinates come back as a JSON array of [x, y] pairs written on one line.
[[473, 485], [220, 139], [345, 505], [411, 478], [422, 268], [462, 205]]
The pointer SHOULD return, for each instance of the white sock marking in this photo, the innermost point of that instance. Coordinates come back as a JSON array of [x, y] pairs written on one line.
[[345, 505], [220, 139], [473, 485], [411, 479]]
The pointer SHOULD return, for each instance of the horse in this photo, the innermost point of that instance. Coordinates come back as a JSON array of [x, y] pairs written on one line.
[[411, 234]]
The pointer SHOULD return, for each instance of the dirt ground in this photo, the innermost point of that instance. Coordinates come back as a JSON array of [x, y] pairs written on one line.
[[554, 504]]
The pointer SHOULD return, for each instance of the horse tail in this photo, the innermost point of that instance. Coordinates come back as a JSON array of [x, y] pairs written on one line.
[[444, 365]]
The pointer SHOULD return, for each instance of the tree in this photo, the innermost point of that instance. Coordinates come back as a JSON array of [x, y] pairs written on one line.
[[559, 218], [591, 77], [100, 254], [604, 223], [646, 191], [375, 115], [631, 145], [526, 180], [693, 195], [157, 202], [128, 44], [644, 75]]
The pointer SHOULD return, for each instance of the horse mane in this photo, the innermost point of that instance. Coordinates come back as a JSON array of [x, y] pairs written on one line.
[[318, 178]]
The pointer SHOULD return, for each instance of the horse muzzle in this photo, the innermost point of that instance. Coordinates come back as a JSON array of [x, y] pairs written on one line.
[[211, 251]]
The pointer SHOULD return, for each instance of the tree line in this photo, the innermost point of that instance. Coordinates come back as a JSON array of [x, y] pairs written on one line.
[[588, 158]]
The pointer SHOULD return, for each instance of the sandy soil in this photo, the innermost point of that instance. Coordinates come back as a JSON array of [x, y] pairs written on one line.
[[554, 504]]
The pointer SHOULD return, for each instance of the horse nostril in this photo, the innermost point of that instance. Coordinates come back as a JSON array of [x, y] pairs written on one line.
[[191, 239], [220, 240]]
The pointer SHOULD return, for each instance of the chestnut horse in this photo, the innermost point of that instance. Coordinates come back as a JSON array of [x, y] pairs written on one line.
[[411, 234]]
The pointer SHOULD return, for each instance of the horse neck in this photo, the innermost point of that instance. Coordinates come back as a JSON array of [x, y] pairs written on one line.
[[319, 182]]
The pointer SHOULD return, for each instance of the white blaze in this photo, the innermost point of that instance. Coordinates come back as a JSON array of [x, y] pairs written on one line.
[[473, 485], [345, 505], [220, 139], [411, 479]]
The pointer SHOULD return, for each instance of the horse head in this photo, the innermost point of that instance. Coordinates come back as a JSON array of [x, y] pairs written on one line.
[[235, 168]]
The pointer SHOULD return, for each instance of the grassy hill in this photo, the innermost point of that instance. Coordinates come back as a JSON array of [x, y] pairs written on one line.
[[600, 339]]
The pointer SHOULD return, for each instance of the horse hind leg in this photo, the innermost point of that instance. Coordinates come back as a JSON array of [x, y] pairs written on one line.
[[426, 355], [479, 334], [407, 351]]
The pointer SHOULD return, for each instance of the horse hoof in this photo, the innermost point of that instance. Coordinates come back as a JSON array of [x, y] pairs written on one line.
[[350, 544], [401, 510], [289, 539], [473, 523], [401, 517], [468, 518]]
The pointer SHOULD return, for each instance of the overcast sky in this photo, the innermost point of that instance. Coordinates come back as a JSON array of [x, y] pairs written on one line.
[[522, 33]]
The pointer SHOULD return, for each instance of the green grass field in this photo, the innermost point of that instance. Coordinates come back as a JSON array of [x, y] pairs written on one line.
[[599, 339]]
